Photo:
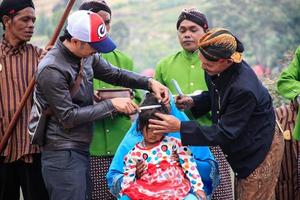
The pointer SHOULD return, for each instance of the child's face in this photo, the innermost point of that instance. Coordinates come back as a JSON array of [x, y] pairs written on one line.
[[151, 138]]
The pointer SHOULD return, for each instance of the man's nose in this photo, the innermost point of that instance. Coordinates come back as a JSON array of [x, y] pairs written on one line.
[[187, 35], [31, 24]]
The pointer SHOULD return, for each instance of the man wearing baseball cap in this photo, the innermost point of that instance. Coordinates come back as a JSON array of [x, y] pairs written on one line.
[[64, 83]]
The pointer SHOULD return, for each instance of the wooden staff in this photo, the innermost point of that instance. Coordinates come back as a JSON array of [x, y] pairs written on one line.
[[30, 87]]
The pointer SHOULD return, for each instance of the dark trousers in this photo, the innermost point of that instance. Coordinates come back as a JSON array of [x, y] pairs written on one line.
[[18, 174], [66, 174]]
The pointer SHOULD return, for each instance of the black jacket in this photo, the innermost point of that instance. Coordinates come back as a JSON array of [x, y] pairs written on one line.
[[243, 118], [71, 125]]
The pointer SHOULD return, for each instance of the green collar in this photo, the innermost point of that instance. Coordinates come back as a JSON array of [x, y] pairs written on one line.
[[192, 56]]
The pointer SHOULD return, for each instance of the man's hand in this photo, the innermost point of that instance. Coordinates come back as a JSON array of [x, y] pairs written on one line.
[[97, 98], [124, 105], [160, 91], [166, 124], [45, 51], [184, 102], [175, 157], [140, 169]]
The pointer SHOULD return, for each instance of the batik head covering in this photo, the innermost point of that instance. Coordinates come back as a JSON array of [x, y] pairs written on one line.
[[10, 7], [193, 15], [220, 43]]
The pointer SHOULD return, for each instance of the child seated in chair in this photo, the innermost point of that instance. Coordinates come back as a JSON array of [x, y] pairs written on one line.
[[165, 177]]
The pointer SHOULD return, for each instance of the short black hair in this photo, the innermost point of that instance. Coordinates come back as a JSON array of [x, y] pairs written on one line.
[[145, 115], [95, 6], [66, 35]]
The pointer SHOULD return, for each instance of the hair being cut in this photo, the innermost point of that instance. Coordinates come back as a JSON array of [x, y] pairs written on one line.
[[145, 115]]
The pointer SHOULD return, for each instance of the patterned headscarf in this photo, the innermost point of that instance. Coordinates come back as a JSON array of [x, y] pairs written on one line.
[[11, 7], [193, 15], [219, 43]]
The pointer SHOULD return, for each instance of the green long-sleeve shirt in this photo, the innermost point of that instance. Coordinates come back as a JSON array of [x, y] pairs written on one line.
[[185, 68], [109, 132], [288, 85]]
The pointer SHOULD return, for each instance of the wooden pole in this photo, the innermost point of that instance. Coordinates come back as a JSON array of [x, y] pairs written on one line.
[[31, 84]]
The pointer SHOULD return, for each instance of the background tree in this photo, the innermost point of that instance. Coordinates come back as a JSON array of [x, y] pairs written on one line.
[[145, 29]]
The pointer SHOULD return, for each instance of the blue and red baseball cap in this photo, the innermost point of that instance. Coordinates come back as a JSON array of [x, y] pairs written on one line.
[[89, 27]]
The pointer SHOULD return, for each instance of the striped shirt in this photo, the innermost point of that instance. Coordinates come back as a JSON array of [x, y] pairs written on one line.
[[17, 67]]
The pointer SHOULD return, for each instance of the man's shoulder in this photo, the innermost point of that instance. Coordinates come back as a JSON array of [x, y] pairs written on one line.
[[247, 82], [169, 58], [117, 53], [33, 47], [52, 59], [298, 52]]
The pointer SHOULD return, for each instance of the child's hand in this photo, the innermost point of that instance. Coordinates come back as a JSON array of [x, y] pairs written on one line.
[[201, 195], [175, 157], [140, 169]]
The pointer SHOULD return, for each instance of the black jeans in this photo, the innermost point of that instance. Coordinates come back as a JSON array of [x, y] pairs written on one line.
[[18, 174], [66, 174]]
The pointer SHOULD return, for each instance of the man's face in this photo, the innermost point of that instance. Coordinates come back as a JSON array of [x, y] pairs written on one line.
[[106, 18], [214, 68], [21, 26], [189, 34]]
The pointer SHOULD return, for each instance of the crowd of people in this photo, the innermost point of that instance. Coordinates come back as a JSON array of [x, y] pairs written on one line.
[[218, 140]]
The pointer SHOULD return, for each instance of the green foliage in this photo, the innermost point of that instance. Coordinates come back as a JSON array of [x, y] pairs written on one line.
[[120, 34], [268, 28], [145, 29], [271, 82]]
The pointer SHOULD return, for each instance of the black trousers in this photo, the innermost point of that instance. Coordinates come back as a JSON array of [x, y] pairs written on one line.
[[18, 174]]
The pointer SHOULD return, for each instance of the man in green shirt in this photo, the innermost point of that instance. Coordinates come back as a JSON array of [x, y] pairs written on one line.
[[185, 67], [108, 132], [289, 86]]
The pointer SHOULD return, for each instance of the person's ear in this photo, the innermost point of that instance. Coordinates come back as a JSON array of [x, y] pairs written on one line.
[[229, 61], [6, 20], [74, 40]]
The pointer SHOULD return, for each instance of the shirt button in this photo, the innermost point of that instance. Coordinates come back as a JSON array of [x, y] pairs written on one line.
[[107, 131], [191, 83], [103, 87], [108, 152], [192, 66], [236, 174]]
